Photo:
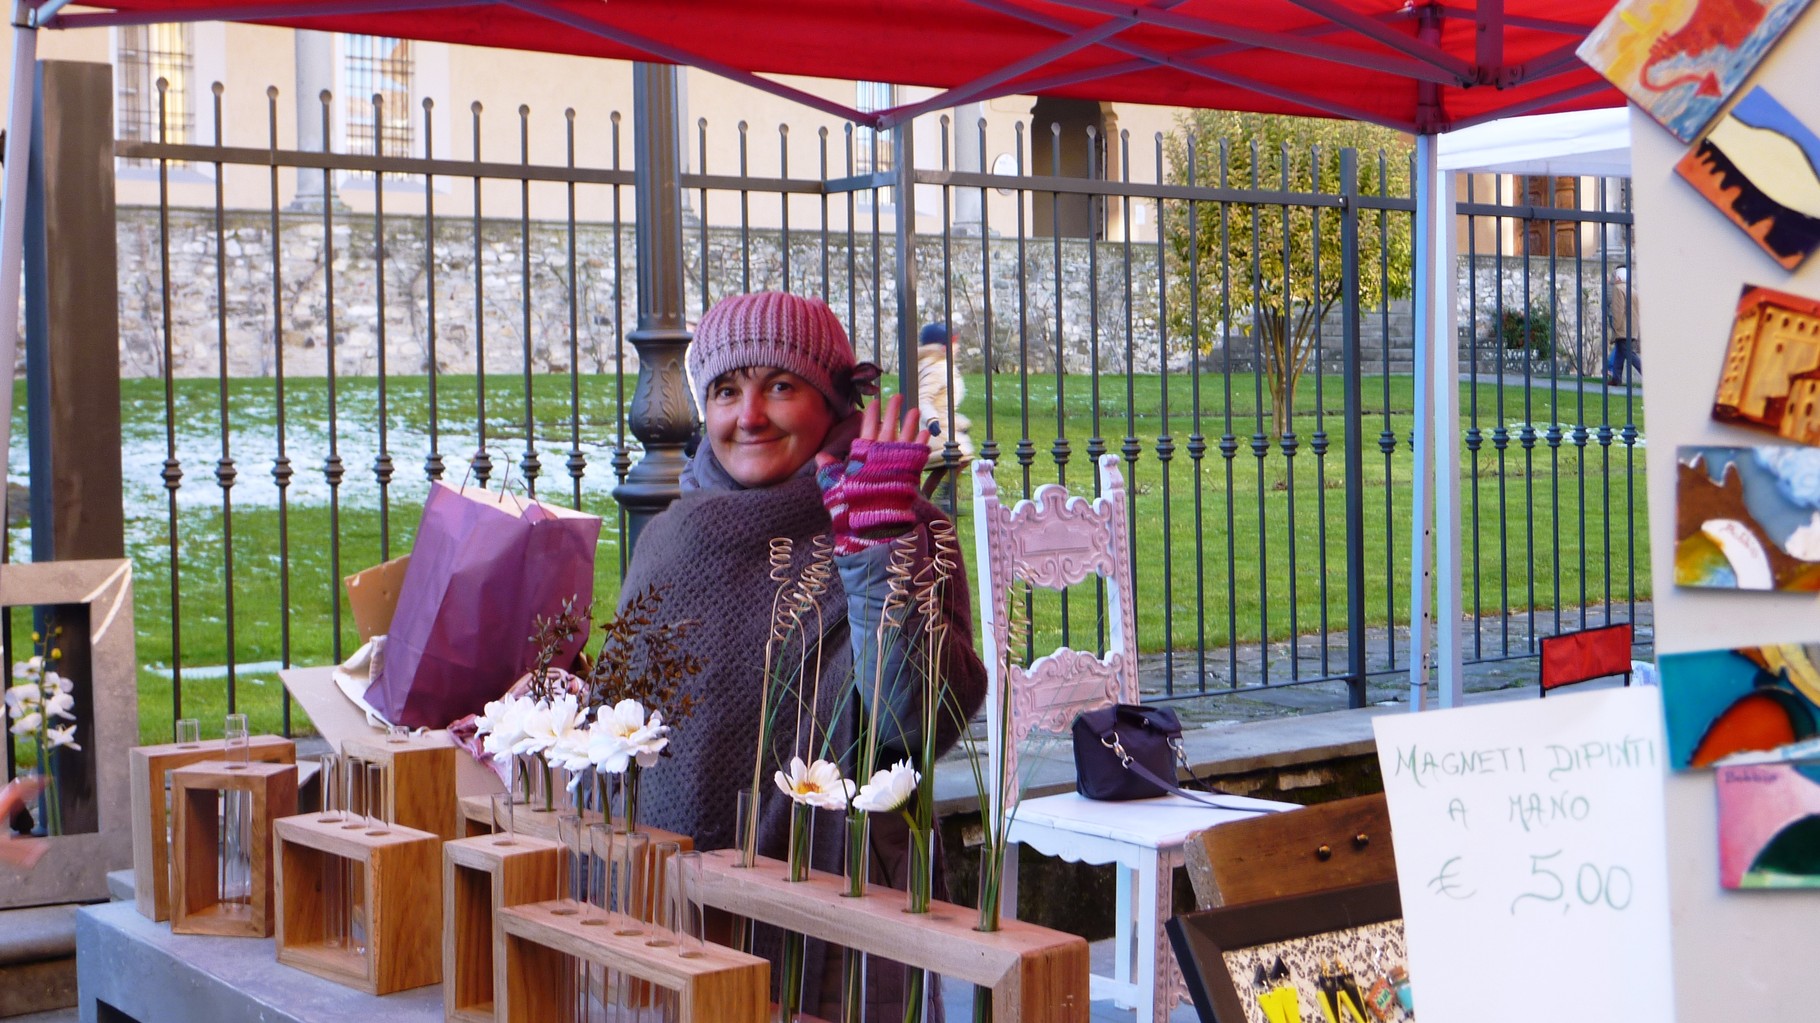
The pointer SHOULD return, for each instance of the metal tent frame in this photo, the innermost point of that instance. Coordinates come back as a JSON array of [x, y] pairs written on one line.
[[1423, 68]]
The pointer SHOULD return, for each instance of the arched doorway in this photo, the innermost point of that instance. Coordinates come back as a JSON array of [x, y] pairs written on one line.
[[1072, 153]]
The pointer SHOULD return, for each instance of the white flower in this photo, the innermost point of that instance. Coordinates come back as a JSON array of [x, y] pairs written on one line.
[[31, 669], [818, 784], [26, 724], [889, 789], [624, 733], [65, 736], [502, 722], [571, 752], [23, 696], [546, 723], [54, 682], [59, 706], [493, 713]]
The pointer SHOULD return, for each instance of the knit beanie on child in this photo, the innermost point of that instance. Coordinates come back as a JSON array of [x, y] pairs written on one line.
[[790, 332]]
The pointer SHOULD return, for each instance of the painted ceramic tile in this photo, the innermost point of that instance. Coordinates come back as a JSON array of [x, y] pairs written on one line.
[[1753, 703], [1771, 377], [1769, 825], [1748, 518], [1761, 168], [1680, 60]]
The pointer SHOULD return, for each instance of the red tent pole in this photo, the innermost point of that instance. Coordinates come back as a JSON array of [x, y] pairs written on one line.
[[12, 207]]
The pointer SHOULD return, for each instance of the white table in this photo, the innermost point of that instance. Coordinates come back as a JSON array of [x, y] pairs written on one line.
[[1143, 840]]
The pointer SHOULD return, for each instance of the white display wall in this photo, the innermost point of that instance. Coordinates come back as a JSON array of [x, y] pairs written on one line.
[[1749, 955]]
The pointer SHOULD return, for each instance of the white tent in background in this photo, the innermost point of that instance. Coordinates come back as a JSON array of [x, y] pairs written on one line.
[[1593, 143]]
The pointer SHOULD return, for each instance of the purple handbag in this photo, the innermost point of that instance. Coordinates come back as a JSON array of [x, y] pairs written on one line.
[[483, 567], [1127, 751], [1111, 741]]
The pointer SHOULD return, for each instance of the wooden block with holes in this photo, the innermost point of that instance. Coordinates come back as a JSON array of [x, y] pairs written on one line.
[[1035, 975], [268, 792], [399, 872], [477, 814], [420, 779], [147, 766], [480, 877], [718, 986]]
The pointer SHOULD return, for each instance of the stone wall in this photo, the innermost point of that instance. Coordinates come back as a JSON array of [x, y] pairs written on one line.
[[861, 289]]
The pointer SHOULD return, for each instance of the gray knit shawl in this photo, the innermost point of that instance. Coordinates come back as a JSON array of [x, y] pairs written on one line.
[[708, 550]]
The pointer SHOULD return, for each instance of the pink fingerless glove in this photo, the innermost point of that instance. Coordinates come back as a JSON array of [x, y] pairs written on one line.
[[870, 496]]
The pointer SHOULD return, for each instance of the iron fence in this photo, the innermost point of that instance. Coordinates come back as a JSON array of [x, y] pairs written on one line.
[[314, 370]]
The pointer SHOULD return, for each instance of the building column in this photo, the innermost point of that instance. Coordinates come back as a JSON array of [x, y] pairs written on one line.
[[969, 157], [315, 75]]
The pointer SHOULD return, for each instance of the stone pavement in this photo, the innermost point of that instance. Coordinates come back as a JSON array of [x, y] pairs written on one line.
[[1495, 635]]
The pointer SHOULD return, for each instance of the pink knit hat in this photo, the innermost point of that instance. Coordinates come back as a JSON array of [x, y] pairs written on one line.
[[773, 328]]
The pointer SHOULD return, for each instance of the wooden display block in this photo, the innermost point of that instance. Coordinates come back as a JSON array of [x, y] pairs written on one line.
[[401, 873], [420, 786], [196, 840], [151, 841], [719, 986], [1035, 974], [480, 877], [477, 814]]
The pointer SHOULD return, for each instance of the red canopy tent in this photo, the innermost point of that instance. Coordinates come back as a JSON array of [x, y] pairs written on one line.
[[1358, 59], [1420, 67]]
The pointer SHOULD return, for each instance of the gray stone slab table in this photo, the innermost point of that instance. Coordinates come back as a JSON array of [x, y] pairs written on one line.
[[142, 970]]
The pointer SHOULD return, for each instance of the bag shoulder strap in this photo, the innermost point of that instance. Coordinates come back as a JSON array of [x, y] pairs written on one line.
[[1169, 786]]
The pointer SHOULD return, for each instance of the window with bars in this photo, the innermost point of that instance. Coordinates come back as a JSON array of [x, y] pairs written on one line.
[[144, 54], [872, 149], [382, 66]]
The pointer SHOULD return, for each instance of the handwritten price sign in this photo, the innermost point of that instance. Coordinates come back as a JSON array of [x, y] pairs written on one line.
[[1530, 853]]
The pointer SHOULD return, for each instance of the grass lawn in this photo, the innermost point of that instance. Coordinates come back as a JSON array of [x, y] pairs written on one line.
[[1219, 558]]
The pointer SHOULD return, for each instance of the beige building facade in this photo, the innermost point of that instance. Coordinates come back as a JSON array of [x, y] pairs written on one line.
[[524, 102]]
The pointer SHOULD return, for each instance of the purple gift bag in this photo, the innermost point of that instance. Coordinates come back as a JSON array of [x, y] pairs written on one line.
[[484, 566]]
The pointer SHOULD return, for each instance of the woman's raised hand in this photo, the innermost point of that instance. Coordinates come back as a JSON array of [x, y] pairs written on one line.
[[871, 496], [892, 424]]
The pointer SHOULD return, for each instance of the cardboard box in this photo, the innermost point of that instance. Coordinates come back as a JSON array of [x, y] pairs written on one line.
[[373, 594]]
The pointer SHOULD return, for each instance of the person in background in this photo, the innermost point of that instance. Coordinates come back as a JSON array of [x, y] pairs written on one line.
[[939, 403], [1621, 322]]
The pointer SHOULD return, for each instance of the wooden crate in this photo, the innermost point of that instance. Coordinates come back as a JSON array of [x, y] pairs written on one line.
[[1035, 974], [719, 986], [480, 877], [401, 869], [196, 845], [420, 786], [151, 844]]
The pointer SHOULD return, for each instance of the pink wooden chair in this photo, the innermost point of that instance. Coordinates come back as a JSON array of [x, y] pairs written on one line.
[[1055, 541]]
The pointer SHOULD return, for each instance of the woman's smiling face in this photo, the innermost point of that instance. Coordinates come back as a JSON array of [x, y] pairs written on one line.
[[765, 423]]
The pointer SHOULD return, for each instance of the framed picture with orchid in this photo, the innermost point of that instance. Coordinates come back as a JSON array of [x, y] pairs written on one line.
[[71, 711]]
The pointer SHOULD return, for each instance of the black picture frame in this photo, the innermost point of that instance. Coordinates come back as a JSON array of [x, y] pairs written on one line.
[[1202, 938]]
